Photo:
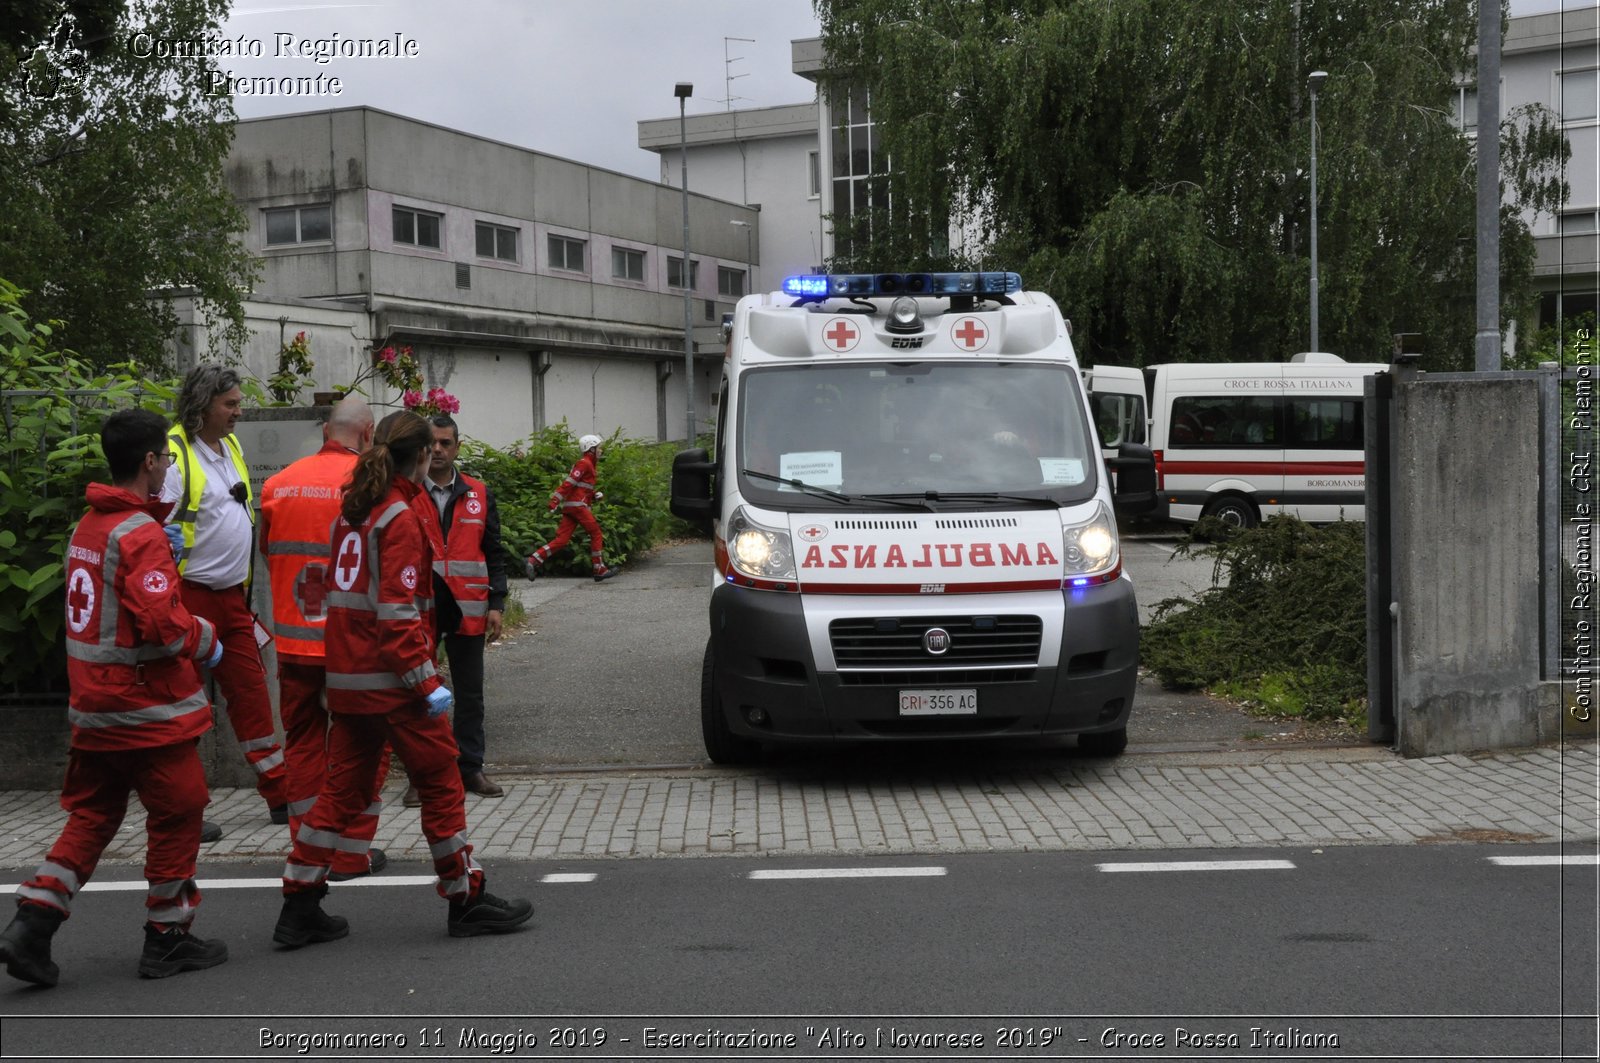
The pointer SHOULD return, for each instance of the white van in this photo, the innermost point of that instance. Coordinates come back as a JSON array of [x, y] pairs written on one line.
[[914, 532], [1242, 441]]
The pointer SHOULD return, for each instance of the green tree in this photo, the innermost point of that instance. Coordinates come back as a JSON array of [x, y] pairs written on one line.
[[111, 174], [1145, 162]]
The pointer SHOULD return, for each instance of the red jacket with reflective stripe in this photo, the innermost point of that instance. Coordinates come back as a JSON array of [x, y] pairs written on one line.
[[131, 645], [578, 488], [298, 508], [465, 567], [379, 633]]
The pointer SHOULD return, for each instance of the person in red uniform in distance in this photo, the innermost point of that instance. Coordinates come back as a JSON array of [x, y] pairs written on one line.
[[137, 710], [298, 507], [382, 687], [573, 498]]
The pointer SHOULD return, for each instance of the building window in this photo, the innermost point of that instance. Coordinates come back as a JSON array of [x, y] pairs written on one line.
[[1576, 222], [1580, 96], [298, 225], [675, 272], [497, 241], [1464, 105], [730, 281], [860, 170], [566, 253], [419, 228], [813, 174], [627, 264]]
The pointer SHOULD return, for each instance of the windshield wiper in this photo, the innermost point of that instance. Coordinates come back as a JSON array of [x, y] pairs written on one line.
[[969, 496], [827, 492]]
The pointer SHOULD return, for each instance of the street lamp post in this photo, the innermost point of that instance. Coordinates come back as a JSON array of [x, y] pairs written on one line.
[[749, 261], [1316, 78], [683, 91]]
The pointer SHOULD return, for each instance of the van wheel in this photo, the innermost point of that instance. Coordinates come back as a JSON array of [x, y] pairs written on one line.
[[1104, 743], [1236, 511], [722, 745]]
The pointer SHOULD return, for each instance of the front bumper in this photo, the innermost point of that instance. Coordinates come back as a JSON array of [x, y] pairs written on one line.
[[767, 648]]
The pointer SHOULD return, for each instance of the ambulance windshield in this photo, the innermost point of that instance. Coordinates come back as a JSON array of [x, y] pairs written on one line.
[[906, 429]]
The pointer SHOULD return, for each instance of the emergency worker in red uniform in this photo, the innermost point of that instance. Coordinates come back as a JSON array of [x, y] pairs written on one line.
[[382, 687], [469, 588], [298, 508], [137, 710], [573, 498]]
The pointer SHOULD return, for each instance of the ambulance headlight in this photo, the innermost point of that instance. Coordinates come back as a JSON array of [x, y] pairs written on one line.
[[1090, 549], [758, 551]]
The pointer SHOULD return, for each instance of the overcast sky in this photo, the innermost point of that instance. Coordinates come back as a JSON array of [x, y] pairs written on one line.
[[567, 77]]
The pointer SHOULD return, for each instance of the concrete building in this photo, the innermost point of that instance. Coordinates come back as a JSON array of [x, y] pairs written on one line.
[[1552, 59], [534, 288], [767, 156]]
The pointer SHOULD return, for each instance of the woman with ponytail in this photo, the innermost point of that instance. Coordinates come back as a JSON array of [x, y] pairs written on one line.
[[382, 688]]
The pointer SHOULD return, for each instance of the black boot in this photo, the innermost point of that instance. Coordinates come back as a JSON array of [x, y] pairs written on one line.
[[25, 944], [487, 914], [303, 922], [175, 950]]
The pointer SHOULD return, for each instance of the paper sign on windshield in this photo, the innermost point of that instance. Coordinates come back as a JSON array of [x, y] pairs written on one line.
[[820, 468], [1061, 470]]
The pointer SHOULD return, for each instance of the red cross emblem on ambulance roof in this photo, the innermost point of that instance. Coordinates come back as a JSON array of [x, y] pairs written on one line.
[[841, 335], [970, 333]]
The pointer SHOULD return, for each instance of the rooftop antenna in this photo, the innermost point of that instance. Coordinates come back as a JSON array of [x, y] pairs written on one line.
[[728, 76]]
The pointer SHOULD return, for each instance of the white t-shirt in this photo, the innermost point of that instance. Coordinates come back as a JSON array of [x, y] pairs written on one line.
[[220, 557]]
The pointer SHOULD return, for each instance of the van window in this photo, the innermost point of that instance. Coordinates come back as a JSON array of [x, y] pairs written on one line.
[[910, 428], [1328, 424], [1118, 419], [1224, 421]]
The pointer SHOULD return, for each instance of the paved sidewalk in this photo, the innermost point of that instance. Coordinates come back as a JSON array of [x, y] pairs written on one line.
[[1139, 801]]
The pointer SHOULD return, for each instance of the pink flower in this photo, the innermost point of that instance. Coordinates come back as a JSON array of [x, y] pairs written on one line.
[[387, 355], [411, 399]]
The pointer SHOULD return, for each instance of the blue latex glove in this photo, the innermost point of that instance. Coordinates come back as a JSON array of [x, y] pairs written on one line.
[[216, 655], [175, 537], [439, 702], [532, 567]]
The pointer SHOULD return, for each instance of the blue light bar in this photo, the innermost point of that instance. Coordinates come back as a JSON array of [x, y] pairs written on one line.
[[866, 285]]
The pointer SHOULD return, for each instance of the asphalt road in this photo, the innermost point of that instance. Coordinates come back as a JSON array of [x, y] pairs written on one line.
[[1357, 943], [608, 674]]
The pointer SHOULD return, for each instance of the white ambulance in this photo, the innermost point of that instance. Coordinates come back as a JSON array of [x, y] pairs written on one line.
[[914, 530], [1245, 441]]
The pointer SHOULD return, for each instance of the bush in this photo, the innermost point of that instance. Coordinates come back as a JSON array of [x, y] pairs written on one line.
[[1285, 627], [51, 452], [634, 476]]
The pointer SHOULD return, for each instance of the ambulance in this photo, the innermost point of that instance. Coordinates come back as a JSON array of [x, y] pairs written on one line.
[[1243, 441], [914, 532]]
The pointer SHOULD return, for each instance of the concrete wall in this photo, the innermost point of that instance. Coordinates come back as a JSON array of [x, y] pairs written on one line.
[[1467, 566]]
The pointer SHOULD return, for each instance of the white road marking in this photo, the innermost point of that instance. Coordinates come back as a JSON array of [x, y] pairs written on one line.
[[1588, 860], [1203, 865], [565, 878], [139, 885], [848, 872]]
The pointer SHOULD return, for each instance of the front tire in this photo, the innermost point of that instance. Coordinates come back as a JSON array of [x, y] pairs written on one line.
[[722, 745], [1236, 511]]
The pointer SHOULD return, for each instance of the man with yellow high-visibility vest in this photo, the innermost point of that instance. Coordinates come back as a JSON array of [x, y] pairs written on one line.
[[298, 508], [212, 530]]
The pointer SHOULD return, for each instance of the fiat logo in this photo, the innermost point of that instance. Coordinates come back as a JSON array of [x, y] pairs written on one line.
[[936, 640]]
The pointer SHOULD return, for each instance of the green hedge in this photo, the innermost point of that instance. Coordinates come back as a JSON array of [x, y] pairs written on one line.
[[1285, 627]]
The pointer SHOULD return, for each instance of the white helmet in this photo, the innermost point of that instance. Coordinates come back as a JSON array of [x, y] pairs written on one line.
[[588, 443]]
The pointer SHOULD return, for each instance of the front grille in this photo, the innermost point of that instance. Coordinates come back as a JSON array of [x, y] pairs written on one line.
[[896, 642], [957, 677]]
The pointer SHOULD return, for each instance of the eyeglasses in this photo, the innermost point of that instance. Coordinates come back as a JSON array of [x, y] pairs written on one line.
[[165, 455], [239, 492]]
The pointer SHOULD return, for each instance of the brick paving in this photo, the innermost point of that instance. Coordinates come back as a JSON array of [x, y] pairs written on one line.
[[1141, 801]]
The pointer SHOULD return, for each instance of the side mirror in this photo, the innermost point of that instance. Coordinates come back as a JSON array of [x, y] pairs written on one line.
[[1136, 479], [691, 486]]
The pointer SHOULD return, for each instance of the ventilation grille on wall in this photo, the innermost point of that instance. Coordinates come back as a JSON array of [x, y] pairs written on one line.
[[463, 275]]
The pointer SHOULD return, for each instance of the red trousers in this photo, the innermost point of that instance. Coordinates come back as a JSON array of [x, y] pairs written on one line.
[[243, 683], [356, 748], [305, 715], [571, 517], [172, 786]]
